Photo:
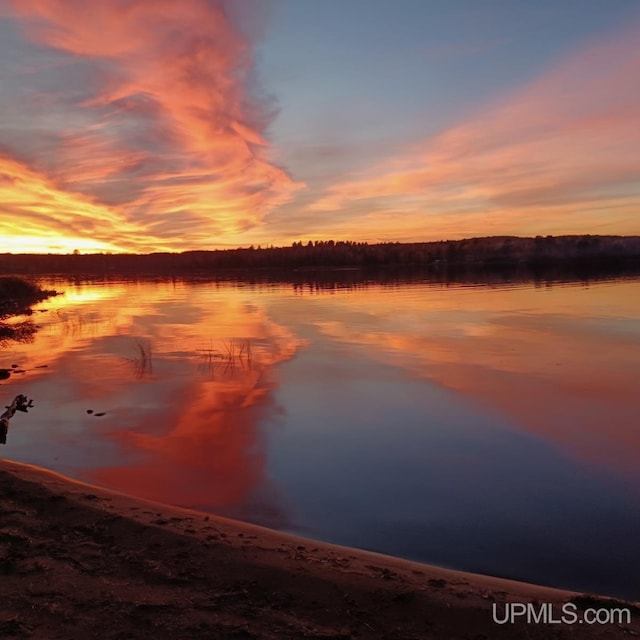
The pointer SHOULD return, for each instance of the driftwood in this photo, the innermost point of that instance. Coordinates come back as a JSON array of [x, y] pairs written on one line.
[[20, 403]]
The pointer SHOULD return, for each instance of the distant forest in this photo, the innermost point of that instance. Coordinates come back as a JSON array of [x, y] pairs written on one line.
[[442, 257]]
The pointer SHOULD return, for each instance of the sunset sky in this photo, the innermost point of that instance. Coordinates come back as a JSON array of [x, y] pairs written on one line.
[[155, 125]]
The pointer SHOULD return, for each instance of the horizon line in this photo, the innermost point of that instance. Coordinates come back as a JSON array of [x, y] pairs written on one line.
[[305, 244]]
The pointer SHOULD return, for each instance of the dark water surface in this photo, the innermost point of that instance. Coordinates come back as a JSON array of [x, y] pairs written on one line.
[[493, 429]]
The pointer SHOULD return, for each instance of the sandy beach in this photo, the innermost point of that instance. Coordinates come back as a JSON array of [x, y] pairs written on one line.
[[78, 561]]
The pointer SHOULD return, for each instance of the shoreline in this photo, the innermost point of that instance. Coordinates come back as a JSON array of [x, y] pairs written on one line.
[[75, 557]]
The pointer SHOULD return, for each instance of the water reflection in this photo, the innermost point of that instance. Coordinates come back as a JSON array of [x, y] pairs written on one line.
[[456, 425], [183, 378], [560, 363], [17, 331]]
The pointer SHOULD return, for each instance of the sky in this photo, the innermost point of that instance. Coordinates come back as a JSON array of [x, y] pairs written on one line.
[[166, 125]]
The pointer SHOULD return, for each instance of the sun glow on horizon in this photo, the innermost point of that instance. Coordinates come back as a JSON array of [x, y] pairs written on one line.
[[169, 146], [53, 244], [165, 149]]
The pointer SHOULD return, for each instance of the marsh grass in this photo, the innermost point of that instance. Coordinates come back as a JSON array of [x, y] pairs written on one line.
[[237, 353], [142, 360], [209, 358], [234, 354], [22, 332], [72, 324], [244, 353]]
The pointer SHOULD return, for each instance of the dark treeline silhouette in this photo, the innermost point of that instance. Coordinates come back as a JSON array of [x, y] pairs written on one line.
[[452, 256], [17, 295]]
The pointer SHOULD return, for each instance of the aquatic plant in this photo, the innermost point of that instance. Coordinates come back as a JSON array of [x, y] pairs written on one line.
[[142, 360], [237, 353], [233, 353]]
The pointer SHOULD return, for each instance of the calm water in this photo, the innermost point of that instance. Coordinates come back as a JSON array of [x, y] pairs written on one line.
[[489, 429]]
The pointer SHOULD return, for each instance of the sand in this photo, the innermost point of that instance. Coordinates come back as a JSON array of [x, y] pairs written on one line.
[[78, 561]]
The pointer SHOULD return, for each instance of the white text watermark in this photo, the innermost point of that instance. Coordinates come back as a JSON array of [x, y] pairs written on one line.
[[549, 613]]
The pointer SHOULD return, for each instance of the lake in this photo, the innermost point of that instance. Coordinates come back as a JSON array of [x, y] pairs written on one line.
[[488, 428]]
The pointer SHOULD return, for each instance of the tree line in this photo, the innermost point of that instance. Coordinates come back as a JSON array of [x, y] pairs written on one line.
[[474, 253]]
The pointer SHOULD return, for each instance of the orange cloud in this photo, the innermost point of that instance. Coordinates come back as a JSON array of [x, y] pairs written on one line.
[[167, 136], [561, 155], [38, 216]]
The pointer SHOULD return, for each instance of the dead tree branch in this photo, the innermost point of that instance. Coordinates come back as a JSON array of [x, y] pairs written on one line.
[[20, 403]]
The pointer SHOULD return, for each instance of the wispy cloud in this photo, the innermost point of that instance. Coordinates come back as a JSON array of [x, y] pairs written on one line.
[[165, 132], [555, 155], [139, 126], [39, 216]]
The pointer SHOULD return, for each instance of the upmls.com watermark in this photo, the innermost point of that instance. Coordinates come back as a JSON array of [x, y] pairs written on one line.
[[548, 613]]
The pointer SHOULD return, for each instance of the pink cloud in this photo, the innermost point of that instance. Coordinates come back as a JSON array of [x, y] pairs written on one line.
[[572, 137], [171, 98]]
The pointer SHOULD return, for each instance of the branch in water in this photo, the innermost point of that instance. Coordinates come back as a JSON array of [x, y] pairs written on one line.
[[20, 403]]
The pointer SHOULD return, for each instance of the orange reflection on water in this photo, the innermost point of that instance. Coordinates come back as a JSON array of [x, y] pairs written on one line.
[[203, 449], [561, 362], [184, 376]]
